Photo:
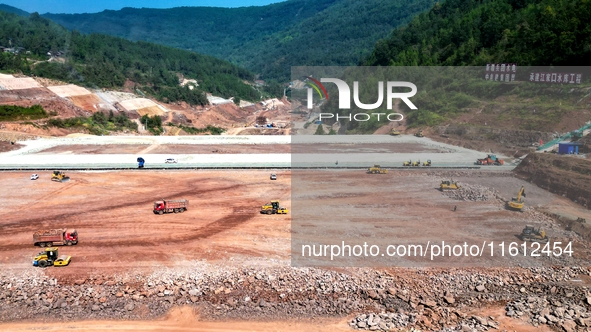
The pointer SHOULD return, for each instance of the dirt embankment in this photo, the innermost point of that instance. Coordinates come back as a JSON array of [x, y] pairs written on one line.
[[512, 142], [569, 176]]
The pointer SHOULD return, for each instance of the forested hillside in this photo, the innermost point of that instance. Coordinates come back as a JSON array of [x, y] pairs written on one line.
[[474, 32], [103, 61], [267, 39], [10, 9]]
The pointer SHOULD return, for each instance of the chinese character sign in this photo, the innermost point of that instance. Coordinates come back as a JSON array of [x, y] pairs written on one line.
[[500, 72], [568, 78]]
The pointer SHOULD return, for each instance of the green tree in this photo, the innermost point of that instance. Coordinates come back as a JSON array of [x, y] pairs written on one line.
[[320, 130]]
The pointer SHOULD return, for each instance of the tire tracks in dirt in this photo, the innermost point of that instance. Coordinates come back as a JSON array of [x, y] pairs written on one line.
[[26, 224], [230, 221]]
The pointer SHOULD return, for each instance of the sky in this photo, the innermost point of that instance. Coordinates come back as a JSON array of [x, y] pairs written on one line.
[[85, 6]]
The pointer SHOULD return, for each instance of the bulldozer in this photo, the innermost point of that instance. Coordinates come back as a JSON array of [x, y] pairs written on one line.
[[530, 233], [420, 134], [59, 177], [376, 169], [416, 163], [516, 203], [50, 257], [427, 163], [449, 185], [273, 208], [395, 132], [407, 163]]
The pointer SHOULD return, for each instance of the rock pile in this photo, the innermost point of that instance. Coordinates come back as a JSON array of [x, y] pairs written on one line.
[[474, 323], [426, 299], [382, 321], [569, 312], [470, 192]]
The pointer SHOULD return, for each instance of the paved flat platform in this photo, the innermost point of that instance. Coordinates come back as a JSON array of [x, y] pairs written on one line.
[[350, 151]]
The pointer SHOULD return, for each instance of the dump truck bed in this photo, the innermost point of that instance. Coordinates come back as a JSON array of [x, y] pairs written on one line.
[[48, 235], [175, 204]]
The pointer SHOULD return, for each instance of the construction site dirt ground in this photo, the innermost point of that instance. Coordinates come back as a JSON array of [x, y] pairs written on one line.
[[7, 146], [186, 319], [407, 208], [119, 233], [89, 102]]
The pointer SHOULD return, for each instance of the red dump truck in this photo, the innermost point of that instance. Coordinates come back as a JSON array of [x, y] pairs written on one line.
[[169, 206], [55, 237]]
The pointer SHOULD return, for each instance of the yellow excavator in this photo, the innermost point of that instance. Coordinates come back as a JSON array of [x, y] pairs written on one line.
[[516, 203], [417, 163], [449, 185], [395, 132], [427, 163], [407, 163], [59, 177], [420, 134]]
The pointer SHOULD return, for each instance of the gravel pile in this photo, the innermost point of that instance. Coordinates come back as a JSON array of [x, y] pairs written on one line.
[[471, 192], [382, 321], [564, 312], [474, 323]]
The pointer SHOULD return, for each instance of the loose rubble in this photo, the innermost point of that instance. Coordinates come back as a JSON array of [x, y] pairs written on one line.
[[475, 193], [422, 299]]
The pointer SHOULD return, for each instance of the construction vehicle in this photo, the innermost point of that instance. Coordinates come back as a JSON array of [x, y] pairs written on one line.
[[140, 162], [170, 206], [59, 177], [420, 134], [49, 257], [395, 132], [530, 233], [407, 163], [427, 163], [53, 237], [273, 208], [516, 203], [376, 169], [416, 163], [449, 185], [491, 159]]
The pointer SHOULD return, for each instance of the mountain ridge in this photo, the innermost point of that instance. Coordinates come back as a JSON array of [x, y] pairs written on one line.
[[264, 39]]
